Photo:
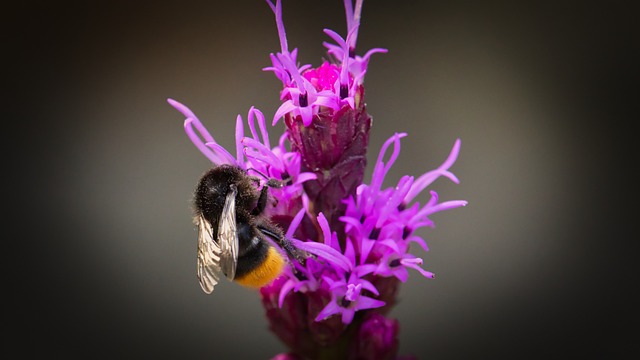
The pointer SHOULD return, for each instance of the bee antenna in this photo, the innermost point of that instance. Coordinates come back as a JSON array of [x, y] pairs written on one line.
[[259, 173], [273, 182]]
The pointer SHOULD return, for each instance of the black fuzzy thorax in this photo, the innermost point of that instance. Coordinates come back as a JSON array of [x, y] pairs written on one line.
[[210, 196], [212, 190]]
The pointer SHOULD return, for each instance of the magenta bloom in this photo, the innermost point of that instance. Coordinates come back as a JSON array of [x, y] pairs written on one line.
[[359, 233]]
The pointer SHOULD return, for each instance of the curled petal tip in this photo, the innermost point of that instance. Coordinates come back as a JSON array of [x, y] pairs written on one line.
[[174, 103], [178, 105]]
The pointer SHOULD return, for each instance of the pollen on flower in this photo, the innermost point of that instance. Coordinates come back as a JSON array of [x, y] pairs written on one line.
[[323, 77]]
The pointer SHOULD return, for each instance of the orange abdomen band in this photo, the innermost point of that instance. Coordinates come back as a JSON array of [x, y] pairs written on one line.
[[265, 273]]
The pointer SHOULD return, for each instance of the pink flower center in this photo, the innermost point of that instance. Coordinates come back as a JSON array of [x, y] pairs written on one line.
[[324, 77], [353, 291]]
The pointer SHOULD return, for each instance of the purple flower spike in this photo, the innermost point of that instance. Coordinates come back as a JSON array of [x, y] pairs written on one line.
[[357, 238], [324, 112]]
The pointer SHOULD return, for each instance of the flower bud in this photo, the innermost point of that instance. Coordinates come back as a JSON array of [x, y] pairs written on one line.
[[377, 339]]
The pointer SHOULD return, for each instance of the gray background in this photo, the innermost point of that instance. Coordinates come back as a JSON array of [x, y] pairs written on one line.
[[102, 250]]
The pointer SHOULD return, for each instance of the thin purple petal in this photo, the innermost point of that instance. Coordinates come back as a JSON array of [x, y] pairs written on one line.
[[326, 252], [331, 309], [286, 288], [365, 302], [295, 223]]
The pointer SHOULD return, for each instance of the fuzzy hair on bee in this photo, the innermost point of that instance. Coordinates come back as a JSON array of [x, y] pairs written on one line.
[[233, 230]]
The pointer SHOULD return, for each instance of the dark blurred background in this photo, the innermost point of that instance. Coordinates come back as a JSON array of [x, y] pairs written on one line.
[[101, 255]]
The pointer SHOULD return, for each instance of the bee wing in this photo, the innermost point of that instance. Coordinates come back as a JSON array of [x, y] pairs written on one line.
[[228, 236], [208, 256]]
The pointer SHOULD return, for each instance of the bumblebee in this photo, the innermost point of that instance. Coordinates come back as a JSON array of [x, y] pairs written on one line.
[[232, 230]]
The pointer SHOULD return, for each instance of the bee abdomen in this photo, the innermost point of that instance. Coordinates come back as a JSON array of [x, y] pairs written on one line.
[[257, 271]]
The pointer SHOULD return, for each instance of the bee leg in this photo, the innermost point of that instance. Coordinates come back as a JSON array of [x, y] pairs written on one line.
[[292, 251], [262, 202], [264, 196]]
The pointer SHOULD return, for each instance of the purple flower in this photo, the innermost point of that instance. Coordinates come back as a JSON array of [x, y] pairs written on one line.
[[325, 115], [347, 298], [380, 219], [359, 235]]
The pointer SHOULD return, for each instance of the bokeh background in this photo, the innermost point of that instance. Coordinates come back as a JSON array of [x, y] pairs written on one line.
[[101, 246]]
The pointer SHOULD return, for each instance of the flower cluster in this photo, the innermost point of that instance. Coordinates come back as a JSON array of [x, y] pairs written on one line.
[[360, 234]]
